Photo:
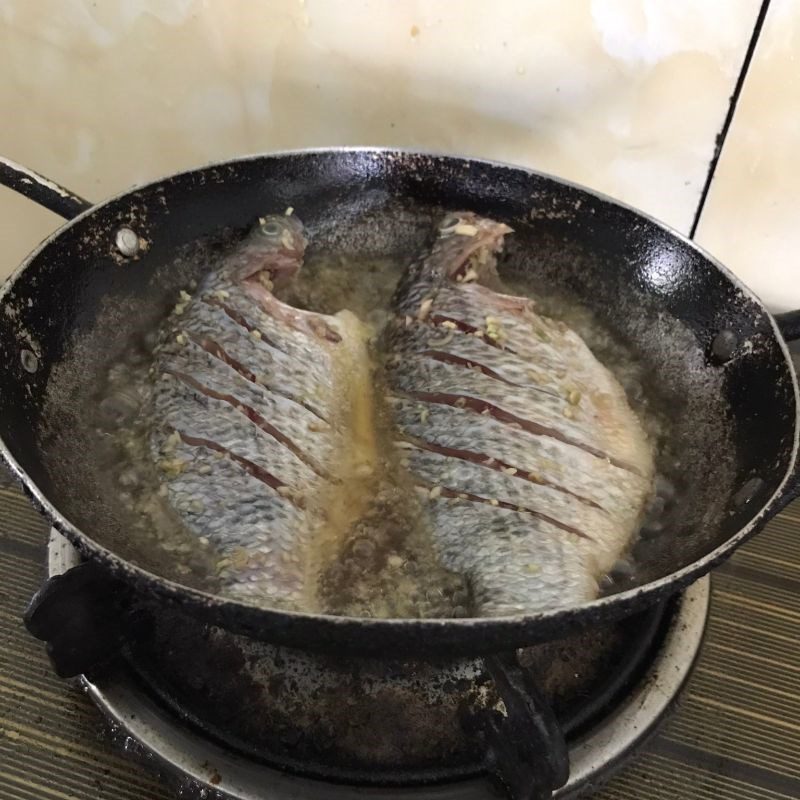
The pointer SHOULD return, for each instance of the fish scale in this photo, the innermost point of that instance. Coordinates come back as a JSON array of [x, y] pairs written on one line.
[[255, 530], [301, 345], [479, 480], [213, 420], [558, 358], [433, 340], [521, 565], [277, 371], [531, 469], [587, 419], [299, 424], [549, 459], [524, 403], [250, 442], [467, 395]]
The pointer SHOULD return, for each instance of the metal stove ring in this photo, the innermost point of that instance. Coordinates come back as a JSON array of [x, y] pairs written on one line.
[[204, 770]]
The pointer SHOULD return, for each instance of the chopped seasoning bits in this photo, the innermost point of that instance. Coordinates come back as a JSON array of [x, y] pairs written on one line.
[[172, 467], [424, 309], [494, 330]]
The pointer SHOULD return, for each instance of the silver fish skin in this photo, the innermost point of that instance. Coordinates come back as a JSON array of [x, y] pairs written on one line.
[[248, 417], [532, 466]]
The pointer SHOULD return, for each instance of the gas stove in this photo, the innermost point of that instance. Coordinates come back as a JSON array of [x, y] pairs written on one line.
[[614, 716], [736, 732]]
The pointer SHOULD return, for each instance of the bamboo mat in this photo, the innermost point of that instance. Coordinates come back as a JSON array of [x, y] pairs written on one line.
[[735, 737]]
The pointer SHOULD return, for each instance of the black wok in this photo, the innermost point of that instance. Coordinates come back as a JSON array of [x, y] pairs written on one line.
[[717, 357]]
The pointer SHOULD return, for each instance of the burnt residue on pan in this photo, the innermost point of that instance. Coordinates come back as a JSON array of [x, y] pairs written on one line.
[[378, 721], [359, 275], [651, 290]]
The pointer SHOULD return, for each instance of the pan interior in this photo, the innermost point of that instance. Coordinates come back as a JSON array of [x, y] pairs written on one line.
[[79, 304]]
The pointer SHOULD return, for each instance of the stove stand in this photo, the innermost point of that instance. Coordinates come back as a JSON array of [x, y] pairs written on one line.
[[200, 768]]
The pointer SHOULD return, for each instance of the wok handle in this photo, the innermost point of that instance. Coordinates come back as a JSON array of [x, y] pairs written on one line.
[[526, 753], [36, 187], [789, 324], [79, 615]]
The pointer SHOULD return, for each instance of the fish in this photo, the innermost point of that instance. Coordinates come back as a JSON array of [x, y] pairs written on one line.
[[532, 468], [255, 419]]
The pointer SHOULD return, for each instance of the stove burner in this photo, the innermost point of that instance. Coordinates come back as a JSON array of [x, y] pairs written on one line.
[[200, 767]]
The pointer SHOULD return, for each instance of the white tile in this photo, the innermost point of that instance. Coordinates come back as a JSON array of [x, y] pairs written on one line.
[[751, 220], [624, 95]]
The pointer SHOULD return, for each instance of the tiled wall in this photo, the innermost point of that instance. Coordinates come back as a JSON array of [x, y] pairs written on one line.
[[626, 96], [751, 220]]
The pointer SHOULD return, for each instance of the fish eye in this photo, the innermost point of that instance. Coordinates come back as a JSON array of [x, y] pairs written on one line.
[[271, 228], [450, 221]]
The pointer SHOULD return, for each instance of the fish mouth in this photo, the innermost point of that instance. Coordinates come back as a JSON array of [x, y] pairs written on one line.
[[273, 261], [488, 248], [274, 269], [478, 243]]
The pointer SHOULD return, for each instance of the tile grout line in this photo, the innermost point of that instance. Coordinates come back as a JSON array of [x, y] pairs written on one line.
[[719, 142]]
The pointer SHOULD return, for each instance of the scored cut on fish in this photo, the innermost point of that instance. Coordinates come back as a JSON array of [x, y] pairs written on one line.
[[259, 422], [533, 467], [269, 425]]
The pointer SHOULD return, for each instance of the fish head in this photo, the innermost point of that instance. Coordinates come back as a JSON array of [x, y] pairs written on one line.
[[468, 244], [272, 252]]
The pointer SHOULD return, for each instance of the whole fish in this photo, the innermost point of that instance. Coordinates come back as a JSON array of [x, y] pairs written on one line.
[[533, 467], [257, 419]]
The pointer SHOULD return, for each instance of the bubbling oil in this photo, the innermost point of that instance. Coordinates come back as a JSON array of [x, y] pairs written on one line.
[[377, 558]]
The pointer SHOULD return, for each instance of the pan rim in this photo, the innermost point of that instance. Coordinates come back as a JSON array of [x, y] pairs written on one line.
[[212, 602]]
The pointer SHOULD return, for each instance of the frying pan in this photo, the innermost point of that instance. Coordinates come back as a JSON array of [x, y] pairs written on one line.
[[717, 358]]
